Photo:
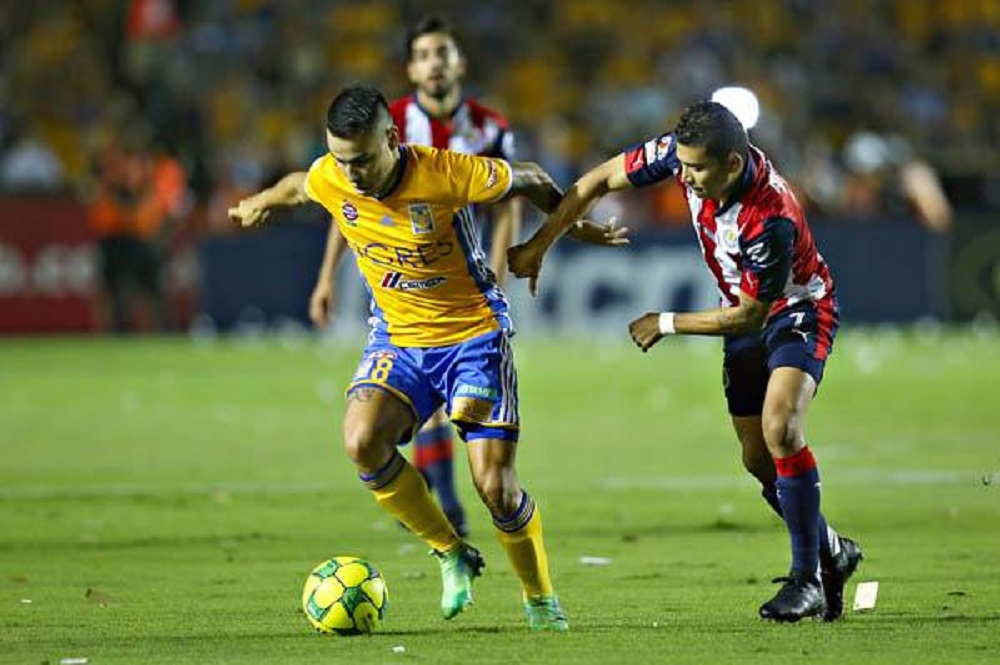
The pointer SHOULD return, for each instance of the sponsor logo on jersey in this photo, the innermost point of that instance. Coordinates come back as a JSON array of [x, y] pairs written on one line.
[[652, 151], [415, 256], [421, 219], [758, 253], [663, 146], [480, 392], [394, 280], [636, 159], [730, 240], [350, 213], [491, 176], [386, 221]]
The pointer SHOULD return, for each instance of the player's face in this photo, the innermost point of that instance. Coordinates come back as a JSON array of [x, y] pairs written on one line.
[[436, 65], [367, 160], [708, 177]]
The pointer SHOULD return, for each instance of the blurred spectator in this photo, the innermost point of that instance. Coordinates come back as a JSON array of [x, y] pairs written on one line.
[[239, 86], [30, 165], [137, 196], [884, 177]]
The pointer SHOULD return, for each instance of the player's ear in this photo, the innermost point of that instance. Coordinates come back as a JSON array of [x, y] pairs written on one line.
[[460, 65], [411, 71], [392, 135], [734, 163]]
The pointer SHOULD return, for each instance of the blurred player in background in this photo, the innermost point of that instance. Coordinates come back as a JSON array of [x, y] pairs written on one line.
[[440, 332], [438, 115], [134, 200], [779, 316]]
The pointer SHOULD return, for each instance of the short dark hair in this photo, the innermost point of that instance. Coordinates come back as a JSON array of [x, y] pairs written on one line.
[[356, 110], [426, 26], [712, 126]]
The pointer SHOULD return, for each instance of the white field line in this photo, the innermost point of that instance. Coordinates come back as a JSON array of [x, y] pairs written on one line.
[[846, 477], [612, 484]]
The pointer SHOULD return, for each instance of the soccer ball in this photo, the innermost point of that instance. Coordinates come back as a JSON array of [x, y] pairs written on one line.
[[346, 596]]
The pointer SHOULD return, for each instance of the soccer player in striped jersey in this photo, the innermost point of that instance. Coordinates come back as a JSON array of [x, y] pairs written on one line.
[[439, 115], [778, 315], [440, 329]]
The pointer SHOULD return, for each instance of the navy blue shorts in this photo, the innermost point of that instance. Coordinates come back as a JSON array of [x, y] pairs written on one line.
[[794, 338], [475, 380]]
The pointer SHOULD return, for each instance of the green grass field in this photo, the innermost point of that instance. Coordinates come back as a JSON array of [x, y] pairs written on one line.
[[163, 501]]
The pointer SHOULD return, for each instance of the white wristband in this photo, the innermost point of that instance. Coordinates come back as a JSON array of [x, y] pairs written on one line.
[[667, 323]]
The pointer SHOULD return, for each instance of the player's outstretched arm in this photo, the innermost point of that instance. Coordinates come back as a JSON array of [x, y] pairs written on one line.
[[324, 295], [255, 209], [533, 183], [605, 234], [506, 231], [747, 317], [526, 260]]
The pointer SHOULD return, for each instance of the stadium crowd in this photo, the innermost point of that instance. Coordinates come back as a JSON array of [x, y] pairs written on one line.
[[851, 91]]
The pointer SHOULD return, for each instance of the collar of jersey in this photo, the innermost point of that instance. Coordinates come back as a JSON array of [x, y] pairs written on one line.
[[454, 111], [398, 179], [749, 173]]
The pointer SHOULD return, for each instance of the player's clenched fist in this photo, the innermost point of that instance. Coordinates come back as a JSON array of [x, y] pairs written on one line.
[[525, 261], [645, 330]]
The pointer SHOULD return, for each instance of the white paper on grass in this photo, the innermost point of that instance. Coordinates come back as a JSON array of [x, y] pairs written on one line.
[[865, 596]]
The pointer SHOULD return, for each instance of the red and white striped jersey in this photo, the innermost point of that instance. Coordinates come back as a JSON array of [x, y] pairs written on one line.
[[759, 243], [472, 128]]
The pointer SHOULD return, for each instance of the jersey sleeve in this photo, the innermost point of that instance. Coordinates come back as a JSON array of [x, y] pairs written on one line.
[[652, 161], [312, 177], [476, 179], [767, 259]]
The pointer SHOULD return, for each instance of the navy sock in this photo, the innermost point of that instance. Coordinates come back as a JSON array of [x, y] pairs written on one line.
[[829, 541], [433, 457], [798, 494]]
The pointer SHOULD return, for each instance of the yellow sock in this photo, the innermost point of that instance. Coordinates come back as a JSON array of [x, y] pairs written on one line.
[[521, 536], [401, 490]]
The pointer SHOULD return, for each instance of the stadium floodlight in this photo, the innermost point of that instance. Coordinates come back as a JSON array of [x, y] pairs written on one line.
[[742, 102]]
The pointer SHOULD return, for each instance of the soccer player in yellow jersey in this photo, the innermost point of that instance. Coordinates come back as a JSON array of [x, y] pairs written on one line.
[[438, 113], [440, 329]]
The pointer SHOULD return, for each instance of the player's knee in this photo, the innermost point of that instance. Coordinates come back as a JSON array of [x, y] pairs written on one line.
[[363, 443], [781, 432], [498, 493]]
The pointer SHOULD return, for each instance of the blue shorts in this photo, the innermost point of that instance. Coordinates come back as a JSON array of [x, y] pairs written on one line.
[[475, 380], [795, 338]]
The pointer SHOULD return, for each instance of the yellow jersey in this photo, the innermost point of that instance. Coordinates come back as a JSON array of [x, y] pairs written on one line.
[[417, 246]]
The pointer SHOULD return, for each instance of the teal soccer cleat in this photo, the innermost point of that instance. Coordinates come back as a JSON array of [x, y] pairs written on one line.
[[544, 613], [458, 568]]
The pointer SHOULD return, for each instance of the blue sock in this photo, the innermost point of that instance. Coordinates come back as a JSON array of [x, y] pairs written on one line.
[[434, 458], [829, 541], [798, 494]]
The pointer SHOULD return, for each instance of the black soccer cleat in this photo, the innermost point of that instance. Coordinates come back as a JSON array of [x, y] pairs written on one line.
[[799, 597], [835, 574]]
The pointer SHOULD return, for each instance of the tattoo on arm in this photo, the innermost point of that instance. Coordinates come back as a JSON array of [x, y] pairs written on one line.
[[362, 395], [725, 318], [748, 316], [755, 312]]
